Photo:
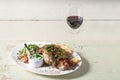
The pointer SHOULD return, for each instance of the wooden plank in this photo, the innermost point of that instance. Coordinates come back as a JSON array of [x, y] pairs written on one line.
[[59, 30], [58, 9]]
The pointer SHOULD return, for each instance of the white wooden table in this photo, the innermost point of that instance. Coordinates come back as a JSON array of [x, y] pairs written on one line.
[[45, 20]]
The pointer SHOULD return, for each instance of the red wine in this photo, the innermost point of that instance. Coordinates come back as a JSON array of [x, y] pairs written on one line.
[[74, 21]]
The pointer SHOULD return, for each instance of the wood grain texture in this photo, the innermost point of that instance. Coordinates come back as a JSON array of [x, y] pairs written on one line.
[[99, 62], [59, 30], [58, 9], [46, 20]]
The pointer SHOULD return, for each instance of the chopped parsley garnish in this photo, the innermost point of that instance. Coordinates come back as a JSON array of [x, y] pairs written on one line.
[[23, 50], [49, 48], [37, 56]]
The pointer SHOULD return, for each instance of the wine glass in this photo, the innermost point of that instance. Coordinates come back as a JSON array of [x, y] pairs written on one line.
[[74, 20]]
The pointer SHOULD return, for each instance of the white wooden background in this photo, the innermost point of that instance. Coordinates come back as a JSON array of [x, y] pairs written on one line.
[[45, 20]]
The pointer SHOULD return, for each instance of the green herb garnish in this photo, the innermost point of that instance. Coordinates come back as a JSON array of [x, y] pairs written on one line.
[[60, 54], [23, 50], [32, 47], [49, 48], [37, 56]]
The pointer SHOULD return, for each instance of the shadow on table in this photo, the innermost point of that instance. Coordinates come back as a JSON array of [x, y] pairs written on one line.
[[79, 73]]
